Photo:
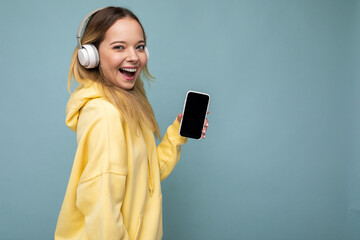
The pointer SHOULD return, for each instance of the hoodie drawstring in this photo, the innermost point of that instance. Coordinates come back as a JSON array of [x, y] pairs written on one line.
[[151, 187]]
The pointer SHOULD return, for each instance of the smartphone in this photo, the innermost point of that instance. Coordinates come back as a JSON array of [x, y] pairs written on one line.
[[194, 114]]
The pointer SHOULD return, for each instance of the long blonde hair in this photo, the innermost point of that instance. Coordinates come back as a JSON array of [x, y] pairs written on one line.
[[132, 104]]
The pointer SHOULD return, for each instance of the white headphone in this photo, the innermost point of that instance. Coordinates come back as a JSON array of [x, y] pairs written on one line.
[[88, 55]]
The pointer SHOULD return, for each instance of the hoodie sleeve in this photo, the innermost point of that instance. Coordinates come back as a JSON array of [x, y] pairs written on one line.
[[101, 188], [169, 150]]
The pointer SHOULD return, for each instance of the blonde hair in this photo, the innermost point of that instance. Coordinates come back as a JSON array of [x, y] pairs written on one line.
[[132, 104]]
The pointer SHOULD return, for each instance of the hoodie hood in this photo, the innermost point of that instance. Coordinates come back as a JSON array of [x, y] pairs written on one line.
[[77, 100]]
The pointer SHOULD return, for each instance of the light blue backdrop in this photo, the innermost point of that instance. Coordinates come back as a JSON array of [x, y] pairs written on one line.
[[281, 159]]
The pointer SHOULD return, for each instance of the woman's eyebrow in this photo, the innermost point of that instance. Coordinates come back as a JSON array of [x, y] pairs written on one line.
[[123, 42], [117, 42]]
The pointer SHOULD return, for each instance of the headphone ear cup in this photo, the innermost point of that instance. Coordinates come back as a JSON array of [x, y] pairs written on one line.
[[147, 52], [88, 56]]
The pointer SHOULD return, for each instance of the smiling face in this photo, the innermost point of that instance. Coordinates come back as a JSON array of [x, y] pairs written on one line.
[[122, 53]]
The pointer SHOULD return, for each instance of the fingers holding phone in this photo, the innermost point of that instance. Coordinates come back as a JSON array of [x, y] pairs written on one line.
[[206, 125]]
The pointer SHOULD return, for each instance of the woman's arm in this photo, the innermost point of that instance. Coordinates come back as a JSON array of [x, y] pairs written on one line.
[[101, 188], [169, 149]]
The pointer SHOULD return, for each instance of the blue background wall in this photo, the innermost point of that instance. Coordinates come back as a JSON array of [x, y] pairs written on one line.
[[281, 159]]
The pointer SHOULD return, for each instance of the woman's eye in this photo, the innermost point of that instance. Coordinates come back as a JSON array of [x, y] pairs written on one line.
[[141, 47], [118, 47]]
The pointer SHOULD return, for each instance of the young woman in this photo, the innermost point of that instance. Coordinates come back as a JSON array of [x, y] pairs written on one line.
[[114, 190]]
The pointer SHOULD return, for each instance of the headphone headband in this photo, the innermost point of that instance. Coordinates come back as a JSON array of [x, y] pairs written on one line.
[[80, 29]]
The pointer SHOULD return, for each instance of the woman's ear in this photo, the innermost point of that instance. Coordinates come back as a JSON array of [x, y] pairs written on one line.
[[147, 52]]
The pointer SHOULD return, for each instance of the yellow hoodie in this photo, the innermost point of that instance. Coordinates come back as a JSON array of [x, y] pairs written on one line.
[[114, 189]]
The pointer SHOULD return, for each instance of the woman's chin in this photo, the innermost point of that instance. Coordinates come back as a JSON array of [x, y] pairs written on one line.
[[126, 85]]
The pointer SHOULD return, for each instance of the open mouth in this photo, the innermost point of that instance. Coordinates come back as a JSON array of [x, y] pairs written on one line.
[[128, 73]]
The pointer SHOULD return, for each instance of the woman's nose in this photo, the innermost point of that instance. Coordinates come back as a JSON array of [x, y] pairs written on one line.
[[132, 56]]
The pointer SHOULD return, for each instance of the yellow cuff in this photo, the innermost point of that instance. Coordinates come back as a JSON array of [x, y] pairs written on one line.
[[174, 133]]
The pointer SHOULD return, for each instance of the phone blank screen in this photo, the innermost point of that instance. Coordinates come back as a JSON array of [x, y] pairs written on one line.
[[194, 115]]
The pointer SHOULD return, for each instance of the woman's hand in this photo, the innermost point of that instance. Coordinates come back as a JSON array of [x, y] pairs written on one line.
[[206, 125]]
